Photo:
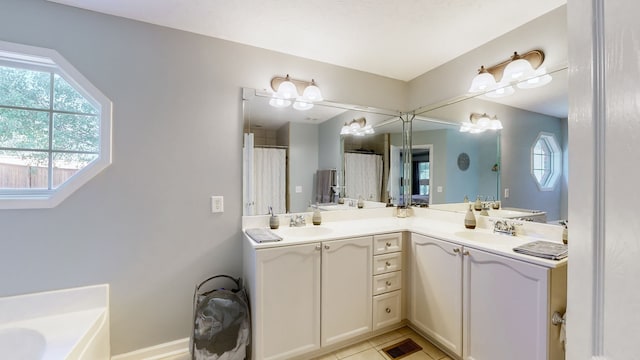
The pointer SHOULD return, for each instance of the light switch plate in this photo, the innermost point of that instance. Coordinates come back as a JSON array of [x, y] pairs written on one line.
[[506, 193], [217, 204]]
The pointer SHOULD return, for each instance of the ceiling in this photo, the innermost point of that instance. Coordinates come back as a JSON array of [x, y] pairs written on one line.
[[399, 39]]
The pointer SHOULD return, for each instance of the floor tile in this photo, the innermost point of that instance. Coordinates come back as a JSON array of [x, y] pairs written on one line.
[[384, 338], [353, 349], [331, 356], [370, 354]]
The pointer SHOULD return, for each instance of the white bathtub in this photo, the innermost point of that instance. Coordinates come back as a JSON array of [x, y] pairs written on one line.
[[65, 324]]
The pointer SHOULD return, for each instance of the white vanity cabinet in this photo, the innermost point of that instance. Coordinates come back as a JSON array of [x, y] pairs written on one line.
[[483, 306], [346, 289], [307, 296], [284, 293], [435, 290]]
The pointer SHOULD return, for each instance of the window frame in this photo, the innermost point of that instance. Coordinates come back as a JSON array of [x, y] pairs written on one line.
[[44, 59], [555, 161]]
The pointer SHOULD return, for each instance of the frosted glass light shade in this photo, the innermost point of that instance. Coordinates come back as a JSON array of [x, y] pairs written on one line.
[[302, 105], [484, 81], [495, 124], [312, 93], [540, 78], [278, 102], [501, 92], [517, 69], [287, 90]]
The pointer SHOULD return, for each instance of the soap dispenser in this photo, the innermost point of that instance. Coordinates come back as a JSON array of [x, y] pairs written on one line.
[[317, 217], [470, 219]]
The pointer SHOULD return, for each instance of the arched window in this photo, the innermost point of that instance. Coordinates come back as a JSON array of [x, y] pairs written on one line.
[[546, 161], [55, 128]]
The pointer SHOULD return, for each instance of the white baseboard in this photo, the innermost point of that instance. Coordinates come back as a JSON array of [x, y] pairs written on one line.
[[173, 350]]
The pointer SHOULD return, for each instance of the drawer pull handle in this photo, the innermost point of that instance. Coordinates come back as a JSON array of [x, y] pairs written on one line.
[[387, 263], [388, 310], [388, 283], [388, 244]]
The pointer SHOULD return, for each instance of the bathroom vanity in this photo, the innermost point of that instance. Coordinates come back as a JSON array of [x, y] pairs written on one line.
[[365, 272]]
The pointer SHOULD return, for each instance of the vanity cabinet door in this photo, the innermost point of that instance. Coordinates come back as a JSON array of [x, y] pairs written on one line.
[[505, 308], [435, 290], [346, 289], [287, 301]]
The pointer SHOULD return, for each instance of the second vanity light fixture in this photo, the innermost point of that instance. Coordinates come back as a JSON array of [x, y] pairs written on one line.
[[287, 90], [357, 127], [480, 123], [525, 70]]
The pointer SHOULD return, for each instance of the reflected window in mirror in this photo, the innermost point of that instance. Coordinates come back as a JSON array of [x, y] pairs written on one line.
[[545, 161]]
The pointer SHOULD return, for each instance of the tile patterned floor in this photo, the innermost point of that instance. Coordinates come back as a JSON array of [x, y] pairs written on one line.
[[372, 349]]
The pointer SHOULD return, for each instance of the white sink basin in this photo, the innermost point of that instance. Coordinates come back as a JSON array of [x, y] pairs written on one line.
[[482, 236], [304, 231]]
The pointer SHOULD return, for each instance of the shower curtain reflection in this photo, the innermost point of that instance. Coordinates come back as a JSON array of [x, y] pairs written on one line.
[[363, 176], [264, 180]]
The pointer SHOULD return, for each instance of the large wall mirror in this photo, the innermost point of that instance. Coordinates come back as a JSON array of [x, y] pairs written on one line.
[[499, 164], [441, 165], [295, 158]]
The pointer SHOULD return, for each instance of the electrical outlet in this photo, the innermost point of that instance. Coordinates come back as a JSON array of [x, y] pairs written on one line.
[[298, 189], [217, 204], [439, 189]]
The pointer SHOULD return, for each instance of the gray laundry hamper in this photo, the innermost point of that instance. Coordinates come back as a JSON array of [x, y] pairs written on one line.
[[221, 322]]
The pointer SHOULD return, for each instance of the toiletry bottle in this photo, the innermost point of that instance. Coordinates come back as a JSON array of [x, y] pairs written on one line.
[[470, 219], [477, 206], [360, 202], [274, 222], [317, 217], [466, 199]]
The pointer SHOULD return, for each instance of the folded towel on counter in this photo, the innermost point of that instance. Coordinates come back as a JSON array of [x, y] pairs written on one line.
[[261, 235], [544, 249]]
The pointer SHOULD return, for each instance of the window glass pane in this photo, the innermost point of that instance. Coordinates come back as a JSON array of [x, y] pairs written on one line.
[[65, 165], [23, 170], [539, 174], [24, 88], [24, 129], [66, 98], [76, 132], [537, 161]]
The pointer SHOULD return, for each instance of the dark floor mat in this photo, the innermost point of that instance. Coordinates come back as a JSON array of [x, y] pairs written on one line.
[[402, 349]]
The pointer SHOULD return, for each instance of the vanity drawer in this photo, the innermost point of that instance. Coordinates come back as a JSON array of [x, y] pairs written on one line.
[[387, 263], [387, 282], [387, 243], [387, 309]]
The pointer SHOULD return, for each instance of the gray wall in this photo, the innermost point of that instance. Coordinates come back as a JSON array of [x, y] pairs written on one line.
[[144, 224]]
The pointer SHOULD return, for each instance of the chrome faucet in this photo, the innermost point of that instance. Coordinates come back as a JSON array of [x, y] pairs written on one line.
[[297, 221], [505, 227]]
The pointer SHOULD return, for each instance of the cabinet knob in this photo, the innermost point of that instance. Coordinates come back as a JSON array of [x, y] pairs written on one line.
[[465, 253], [387, 263], [388, 310], [318, 247], [456, 250], [388, 283], [388, 244], [327, 247]]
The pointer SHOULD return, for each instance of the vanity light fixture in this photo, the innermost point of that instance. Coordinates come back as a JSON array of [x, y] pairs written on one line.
[[478, 123], [357, 127], [287, 90], [525, 71]]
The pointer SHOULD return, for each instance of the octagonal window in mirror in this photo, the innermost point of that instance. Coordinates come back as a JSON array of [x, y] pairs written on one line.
[[545, 161], [54, 128]]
